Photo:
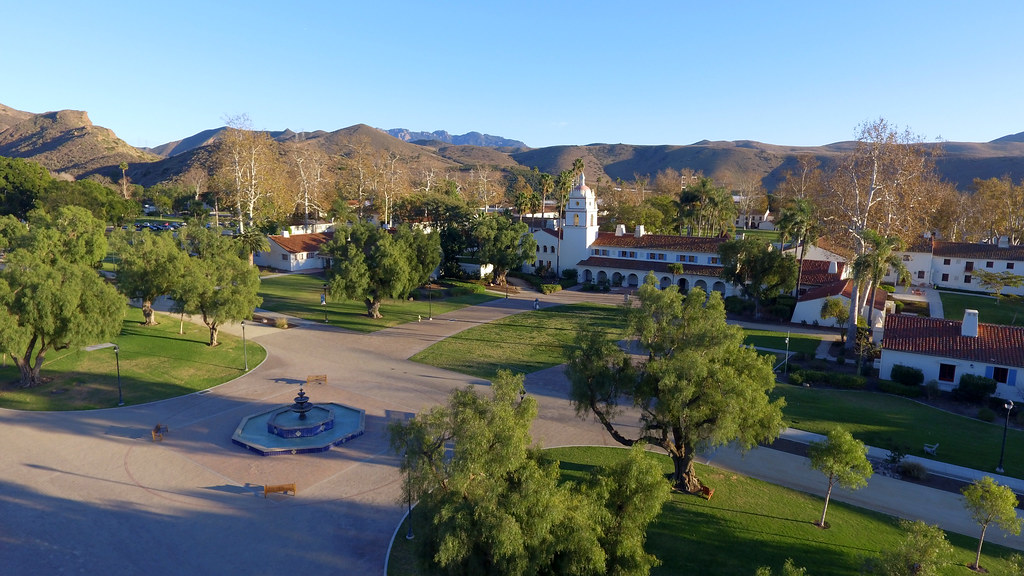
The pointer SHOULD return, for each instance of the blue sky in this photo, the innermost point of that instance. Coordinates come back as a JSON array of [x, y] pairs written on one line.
[[546, 73]]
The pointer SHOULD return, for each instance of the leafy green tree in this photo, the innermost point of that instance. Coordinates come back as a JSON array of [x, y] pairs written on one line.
[[834, 308], [505, 244], [21, 183], [799, 222], [700, 387], [51, 297], [105, 204], [788, 569], [922, 551], [253, 241], [151, 265], [706, 209], [373, 264], [989, 502], [999, 281], [496, 504], [843, 460], [217, 283], [761, 271]]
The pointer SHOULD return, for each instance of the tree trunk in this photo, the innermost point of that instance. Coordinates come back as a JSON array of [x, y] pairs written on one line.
[[147, 313], [824, 510], [214, 330], [27, 369], [373, 308], [981, 540], [684, 476], [851, 332]]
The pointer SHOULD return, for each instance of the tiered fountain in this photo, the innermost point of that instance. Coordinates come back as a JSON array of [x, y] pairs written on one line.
[[299, 428]]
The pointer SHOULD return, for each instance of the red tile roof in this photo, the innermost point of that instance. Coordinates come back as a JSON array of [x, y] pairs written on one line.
[[647, 265], [660, 242], [995, 344], [815, 272], [298, 243], [842, 288], [980, 251]]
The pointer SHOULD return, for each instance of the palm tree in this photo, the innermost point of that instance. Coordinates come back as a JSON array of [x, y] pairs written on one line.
[[799, 223], [253, 241], [676, 268], [882, 257], [547, 186]]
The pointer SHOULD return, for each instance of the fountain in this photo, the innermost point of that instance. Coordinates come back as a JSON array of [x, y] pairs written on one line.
[[300, 428]]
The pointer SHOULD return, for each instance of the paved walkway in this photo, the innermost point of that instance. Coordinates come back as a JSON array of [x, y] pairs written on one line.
[[89, 492]]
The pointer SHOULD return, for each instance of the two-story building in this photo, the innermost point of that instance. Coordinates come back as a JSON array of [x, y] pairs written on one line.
[[955, 265]]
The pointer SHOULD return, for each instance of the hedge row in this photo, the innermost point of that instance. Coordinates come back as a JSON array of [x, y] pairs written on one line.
[[833, 379]]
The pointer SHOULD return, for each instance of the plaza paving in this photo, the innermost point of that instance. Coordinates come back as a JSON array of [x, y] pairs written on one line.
[[91, 493]]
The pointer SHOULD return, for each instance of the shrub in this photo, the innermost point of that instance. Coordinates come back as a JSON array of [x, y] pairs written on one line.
[[932, 389], [840, 360], [281, 322], [780, 311], [913, 470], [550, 288], [887, 287], [896, 455], [907, 375], [986, 415], [458, 288], [735, 305], [974, 388], [899, 306], [797, 379], [814, 377], [570, 277], [847, 381], [890, 387]]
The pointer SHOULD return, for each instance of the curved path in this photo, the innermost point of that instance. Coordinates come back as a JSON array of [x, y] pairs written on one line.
[[90, 493]]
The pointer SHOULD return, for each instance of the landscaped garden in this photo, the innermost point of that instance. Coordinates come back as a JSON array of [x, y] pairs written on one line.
[[299, 295], [747, 524], [155, 362]]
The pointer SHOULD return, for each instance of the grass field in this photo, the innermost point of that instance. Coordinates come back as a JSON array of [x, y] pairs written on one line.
[[299, 295], [523, 343], [882, 420], [155, 362], [748, 524], [777, 340], [990, 310]]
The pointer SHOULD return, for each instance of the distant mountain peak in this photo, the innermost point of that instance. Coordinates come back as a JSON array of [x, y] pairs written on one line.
[[467, 139]]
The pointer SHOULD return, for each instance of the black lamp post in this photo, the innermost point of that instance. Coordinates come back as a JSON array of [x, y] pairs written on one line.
[[245, 351], [117, 362], [430, 299], [1006, 424], [323, 302]]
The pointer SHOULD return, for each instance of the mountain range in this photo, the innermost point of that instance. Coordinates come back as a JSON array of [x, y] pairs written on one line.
[[68, 144]]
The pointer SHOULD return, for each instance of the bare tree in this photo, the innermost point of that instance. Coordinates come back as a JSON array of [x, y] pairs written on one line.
[[253, 170], [313, 171]]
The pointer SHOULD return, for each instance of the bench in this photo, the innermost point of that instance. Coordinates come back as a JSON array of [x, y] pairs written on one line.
[[279, 488], [158, 432], [707, 492], [931, 448]]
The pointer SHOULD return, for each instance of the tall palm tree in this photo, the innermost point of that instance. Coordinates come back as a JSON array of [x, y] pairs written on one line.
[[547, 186], [252, 241], [799, 222], [882, 257]]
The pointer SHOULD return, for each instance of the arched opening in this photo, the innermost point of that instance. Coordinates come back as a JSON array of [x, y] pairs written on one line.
[[602, 277], [588, 276], [720, 288], [684, 285], [616, 279], [701, 284], [634, 281], [665, 282]]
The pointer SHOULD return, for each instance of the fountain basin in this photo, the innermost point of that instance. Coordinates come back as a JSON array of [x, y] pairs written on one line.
[[335, 425]]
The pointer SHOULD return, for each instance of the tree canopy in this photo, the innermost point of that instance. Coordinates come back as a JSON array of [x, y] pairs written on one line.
[[496, 504], [761, 271], [989, 502], [149, 265], [505, 244], [700, 386], [842, 459], [51, 296], [372, 264]]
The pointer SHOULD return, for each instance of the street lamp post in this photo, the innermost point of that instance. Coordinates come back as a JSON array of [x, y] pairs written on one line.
[[430, 299], [117, 362], [786, 370], [1006, 424], [245, 351], [323, 302]]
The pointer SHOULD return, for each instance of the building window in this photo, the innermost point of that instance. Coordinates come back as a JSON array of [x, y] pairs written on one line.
[[284, 257], [989, 264], [907, 258], [947, 372], [945, 277], [713, 260], [576, 219], [945, 261], [604, 252], [969, 267], [545, 249], [652, 256], [680, 258], [661, 256], [1000, 375], [1009, 265], [967, 278], [920, 274], [692, 259]]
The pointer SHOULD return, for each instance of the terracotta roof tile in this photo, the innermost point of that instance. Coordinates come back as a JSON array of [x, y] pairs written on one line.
[[647, 265], [842, 288], [298, 243], [971, 250], [995, 344], [815, 272]]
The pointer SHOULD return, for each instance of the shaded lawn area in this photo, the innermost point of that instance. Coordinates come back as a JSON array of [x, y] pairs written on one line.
[[299, 295], [881, 420], [156, 363], [990, 310], [777, 340], [525, 342], [747, 524]]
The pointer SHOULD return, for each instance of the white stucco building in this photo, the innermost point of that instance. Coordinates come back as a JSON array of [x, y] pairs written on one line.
[[955, 264], [293, 252], [945, 350], [625, 259], [808, 306]]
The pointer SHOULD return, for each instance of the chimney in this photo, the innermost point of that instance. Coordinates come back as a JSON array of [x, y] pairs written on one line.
[[1004, 241], [833, 267], [639, 232], [286, 233], [620, 229], [970, 325]]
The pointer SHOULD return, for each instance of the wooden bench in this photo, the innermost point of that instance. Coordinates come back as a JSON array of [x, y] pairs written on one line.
[[158, 432], [931, 448], [707, 492], [279, 488]]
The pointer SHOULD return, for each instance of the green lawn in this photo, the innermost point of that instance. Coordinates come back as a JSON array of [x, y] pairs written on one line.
[[156, 363], [299, 295], [881, 420], [748, 524], [777, 340], [524, 342], [990, 310]]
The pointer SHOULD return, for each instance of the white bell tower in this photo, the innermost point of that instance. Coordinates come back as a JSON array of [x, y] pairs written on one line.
[[579, 230]]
